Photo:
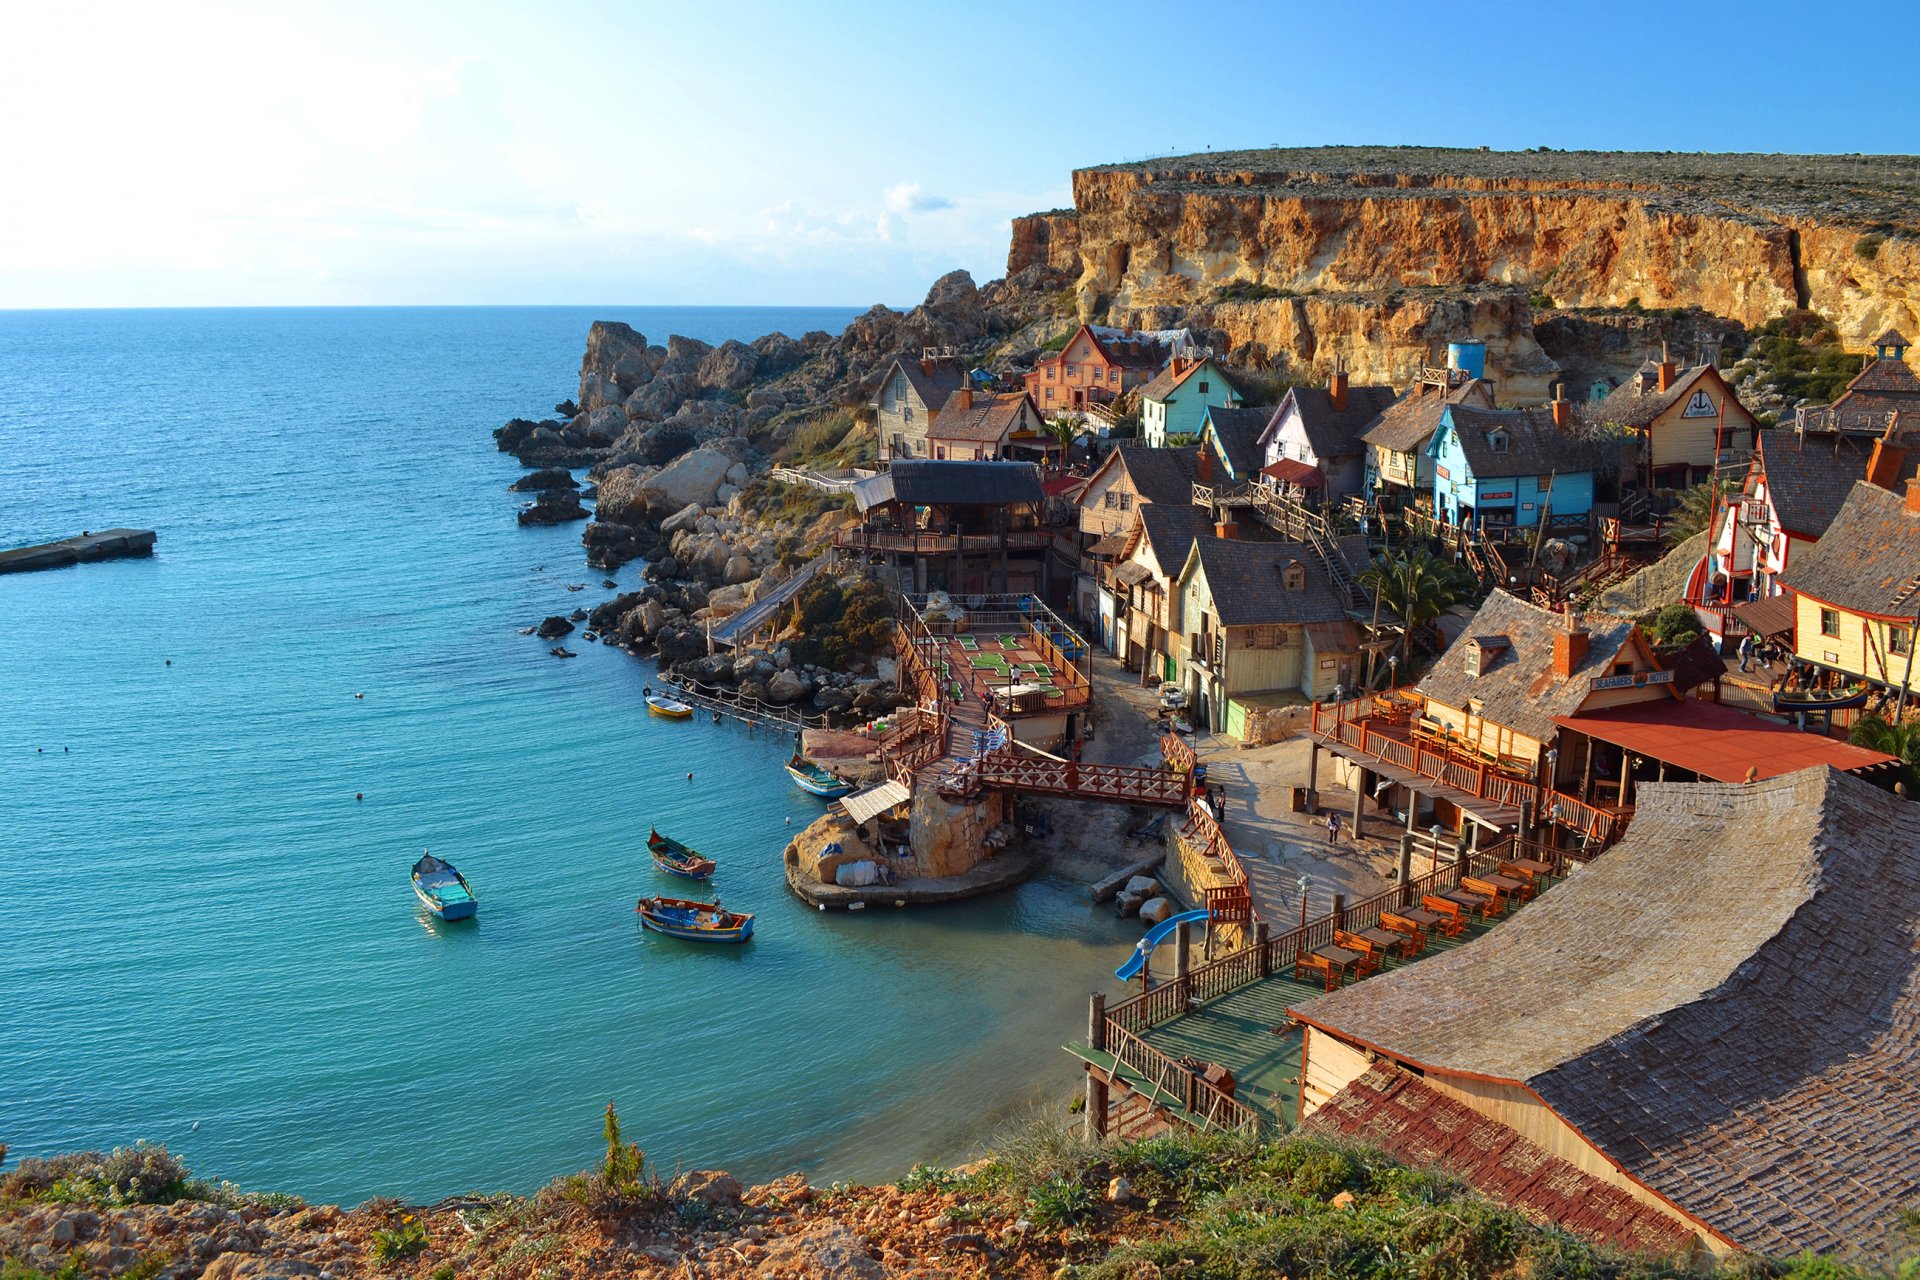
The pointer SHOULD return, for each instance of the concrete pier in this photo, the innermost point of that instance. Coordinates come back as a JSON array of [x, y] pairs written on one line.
[[108, 544]]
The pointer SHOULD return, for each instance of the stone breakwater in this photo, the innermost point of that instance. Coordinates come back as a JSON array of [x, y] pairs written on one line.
[[108, 544]]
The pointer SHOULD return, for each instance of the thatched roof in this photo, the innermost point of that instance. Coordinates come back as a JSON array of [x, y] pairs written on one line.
[[1727, 1004]]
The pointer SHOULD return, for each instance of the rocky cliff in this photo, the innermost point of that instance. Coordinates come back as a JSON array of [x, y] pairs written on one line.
[[1373, 254]]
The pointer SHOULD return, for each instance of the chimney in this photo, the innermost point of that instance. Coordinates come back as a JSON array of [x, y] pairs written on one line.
[[964, 398], [1337, 388], [1913, 495], [1562, 407], [1666, 369], [1569, 650], [1206, 465], [1226, 529], [1888, 458]]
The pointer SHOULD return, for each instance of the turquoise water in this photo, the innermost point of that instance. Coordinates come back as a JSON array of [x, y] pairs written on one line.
[[200, 924]]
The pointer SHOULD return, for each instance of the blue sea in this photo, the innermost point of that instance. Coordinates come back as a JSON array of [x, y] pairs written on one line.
[[207, 937]]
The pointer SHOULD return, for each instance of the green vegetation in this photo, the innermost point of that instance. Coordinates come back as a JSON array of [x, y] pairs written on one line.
[[145, 1173], [1059, 343], [1540, 300], [775, 500], [837, 440], [840, 620], [1899, 738], [1802, 358], [1250, 291], [1692, 512], [625, 1163], [1415, 587], [1867, 247], [398, 1243], [1674, 624]]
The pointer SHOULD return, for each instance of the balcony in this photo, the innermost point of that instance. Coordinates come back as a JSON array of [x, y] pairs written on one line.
[[923, 542]]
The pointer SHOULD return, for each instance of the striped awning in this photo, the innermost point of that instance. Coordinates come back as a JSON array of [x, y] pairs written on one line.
[[874, 801]]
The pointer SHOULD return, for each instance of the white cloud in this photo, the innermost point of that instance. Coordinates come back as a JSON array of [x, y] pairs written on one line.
[[910, 197]]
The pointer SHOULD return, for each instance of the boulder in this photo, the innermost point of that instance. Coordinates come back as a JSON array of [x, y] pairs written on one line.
[[553, 628], [684, 356], [685, 518], [729, 600], [786, 686], [715, 670], [617, 360], [725, 494], [752, 666], [729, 366], [738, 569], [1145, 886], [553, 506], [602, 426], [737, 474], [691, 478], [1155, 910], [544, 478], [710, 1187], [1119, 1191]]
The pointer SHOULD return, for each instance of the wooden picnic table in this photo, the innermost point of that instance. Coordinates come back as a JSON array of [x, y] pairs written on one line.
[[1499, 890], [1331, 963], [1373, 953], [1339, 957], [1531, 866], [1388, 940], [1464, 900], [1416, 922]]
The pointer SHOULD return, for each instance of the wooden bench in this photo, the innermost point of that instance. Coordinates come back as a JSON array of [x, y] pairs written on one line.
[[1468, 900], [1452, 915], [1372, 954], [1307, 963], [1411, 923], [1495, 894], [1529, 880]]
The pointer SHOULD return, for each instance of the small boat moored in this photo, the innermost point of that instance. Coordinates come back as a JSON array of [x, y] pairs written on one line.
[[1789, 701], [661, 705], [694, 921], [442, 889], [810, 777], [670, 855]]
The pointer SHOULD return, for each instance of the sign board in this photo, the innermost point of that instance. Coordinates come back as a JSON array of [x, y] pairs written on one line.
[[1442, 472], [1526, 506], [1632, 680], [1492, 494], [1700, 405]]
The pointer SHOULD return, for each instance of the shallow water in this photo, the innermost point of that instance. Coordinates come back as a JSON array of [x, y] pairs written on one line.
[[199, 923]]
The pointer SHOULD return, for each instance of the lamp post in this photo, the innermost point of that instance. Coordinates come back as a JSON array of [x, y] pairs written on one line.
[[1303, 907], [1434, 831], [1393, 667]]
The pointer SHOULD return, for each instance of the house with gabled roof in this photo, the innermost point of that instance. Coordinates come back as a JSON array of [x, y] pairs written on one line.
[[1175, 403], [1885, 386], [1131, 477], [1857, 591], [1688, 422], [976, 426], [1311, 447], [1511, 467], [911, 392], [1696, 1033], [1398, 469], [1097, 365], [1230, 445], [1254, 620], [1141, 582]]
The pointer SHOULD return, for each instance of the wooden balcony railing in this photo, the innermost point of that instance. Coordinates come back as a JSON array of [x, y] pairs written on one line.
[[921, 542], [1167, 1081]]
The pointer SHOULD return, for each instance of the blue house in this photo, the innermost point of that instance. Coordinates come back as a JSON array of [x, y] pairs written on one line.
[[1496, 467]]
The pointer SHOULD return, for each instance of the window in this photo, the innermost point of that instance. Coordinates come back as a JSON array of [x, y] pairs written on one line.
[[1899, 640], [1293, 575], [1497, 441], [906, 413], [1543, 483], [1203, 388], [940, 452], [1049, 389], [1072, 369], [1829, 622], [1085, 352], [1052, 369], [1126, 502], [1623, 668], [1113, 376], [1110, 500]]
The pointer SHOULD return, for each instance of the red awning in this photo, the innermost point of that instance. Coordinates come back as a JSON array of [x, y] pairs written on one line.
[[1294, 471], [1717, 742]]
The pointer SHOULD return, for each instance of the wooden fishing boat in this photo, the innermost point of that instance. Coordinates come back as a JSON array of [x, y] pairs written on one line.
[[666, 708], [694, 921], [442, 889], [670, 855], [810, 777], [1790, 701]]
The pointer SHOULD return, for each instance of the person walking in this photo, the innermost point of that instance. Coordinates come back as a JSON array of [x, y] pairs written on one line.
[[1333, 828], [1746, 651]]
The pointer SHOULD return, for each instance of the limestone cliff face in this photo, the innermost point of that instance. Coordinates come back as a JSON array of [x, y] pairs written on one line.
[[1360, 246]]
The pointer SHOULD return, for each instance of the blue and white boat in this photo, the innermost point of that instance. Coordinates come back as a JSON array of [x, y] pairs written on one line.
[[442, 889], [810, 777], [694, 921]]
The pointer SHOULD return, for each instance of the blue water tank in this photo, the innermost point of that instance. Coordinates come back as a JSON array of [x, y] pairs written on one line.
[[1469, 357]]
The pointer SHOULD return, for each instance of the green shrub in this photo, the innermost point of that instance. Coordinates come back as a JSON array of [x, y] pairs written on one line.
[[1867, 247], [1060, 1201], [1673, 624], [1539, 300], [841, 620], [624, 1165], [1801, 357], [397, 1244], [926, 1177]]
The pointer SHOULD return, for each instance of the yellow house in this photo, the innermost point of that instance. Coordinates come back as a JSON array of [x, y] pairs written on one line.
[[1688, 421], [1857, 590]]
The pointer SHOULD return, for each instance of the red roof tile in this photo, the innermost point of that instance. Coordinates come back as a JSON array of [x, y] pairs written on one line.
[[1716, 742]]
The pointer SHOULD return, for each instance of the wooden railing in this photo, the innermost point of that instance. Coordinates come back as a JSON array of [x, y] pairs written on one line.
[[1475, 777], [1168, 1081], [922, 542], [1270, 955], [927, 687], [1045, 775]]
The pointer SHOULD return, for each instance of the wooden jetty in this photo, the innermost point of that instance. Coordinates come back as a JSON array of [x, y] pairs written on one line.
[[108, 544]]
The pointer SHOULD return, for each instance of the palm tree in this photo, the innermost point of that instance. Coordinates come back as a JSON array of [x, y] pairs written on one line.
[[1692, 511], [1898, 738], [1066, 431], [1413, 587]]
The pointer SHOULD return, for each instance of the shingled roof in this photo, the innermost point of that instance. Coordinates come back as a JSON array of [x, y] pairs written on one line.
[[922, 482], [1408, 1118], [987, 420], [1248, 587], [1535, 447], [1735, 1024], [1808, 477], [1332, 432], [1170, 531], [1409, 422], [1518, 688], [1239, 431], [1868, 561], [1171, 378], [932, 380], [1160, 475], [1633, 404]]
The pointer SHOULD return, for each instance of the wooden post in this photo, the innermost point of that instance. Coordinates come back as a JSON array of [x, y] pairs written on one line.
[[1406, 867], [1313, 770], [1262, 960], [1096, 1087], [1339, 910], [1359, 793], [1182, 948]]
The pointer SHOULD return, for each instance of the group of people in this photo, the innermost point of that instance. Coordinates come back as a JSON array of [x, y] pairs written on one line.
[[1765, 652]]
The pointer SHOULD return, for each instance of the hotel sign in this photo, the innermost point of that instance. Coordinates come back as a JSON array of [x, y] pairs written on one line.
[[1632, 680]]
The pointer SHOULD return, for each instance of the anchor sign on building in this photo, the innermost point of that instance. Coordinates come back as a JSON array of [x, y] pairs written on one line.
[[1700, 405]]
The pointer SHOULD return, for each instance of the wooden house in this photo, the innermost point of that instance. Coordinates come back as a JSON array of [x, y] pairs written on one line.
[[1511, 467], [1230, 445], [974, 427], [1311, 447], [1398, 470], [911, 392], [1685, 1046], [1098, 365], [1884, 387], [969, 528], [1174, 404], [1131, 477], [1857, 591], [1136, 621], [1688, 424], [1255, 621]]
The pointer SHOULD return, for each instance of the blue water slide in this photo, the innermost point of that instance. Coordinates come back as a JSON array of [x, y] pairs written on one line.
[[1155, 935]]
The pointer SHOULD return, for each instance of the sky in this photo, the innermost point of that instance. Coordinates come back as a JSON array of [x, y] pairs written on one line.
[[413, 152]]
